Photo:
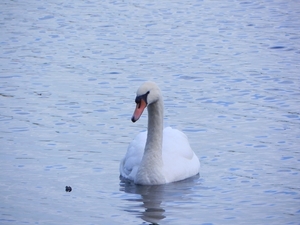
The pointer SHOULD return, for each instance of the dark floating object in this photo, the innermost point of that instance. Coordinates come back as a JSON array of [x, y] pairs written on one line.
[[277, 47], [68, 189]]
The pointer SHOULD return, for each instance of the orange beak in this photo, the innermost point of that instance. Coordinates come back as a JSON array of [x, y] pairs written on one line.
[[138, 110]]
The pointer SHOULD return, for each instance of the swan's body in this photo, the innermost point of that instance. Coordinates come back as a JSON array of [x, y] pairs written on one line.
[[158, 156]]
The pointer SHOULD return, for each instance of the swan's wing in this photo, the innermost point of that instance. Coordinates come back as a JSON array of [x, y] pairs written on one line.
[[130, 163], [176, 143], [179, 159]]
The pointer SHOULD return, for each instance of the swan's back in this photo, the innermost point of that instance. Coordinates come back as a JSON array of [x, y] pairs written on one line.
[[179, 160], [131, 161]]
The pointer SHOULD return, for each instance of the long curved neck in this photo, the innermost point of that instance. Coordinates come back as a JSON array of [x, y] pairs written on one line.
[[155, 129], [150, 170]]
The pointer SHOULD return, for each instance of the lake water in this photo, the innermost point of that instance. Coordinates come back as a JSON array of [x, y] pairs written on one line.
[[229, 72]]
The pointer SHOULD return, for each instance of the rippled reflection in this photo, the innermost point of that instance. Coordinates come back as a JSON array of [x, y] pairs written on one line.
[[152, 203]]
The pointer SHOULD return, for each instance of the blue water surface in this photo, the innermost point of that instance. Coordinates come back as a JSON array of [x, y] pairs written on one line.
[[229, 72]]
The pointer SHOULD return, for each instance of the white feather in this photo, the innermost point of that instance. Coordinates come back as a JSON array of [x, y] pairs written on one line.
[[167, 156]]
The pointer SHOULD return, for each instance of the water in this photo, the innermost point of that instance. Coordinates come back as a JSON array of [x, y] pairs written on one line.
[[229, 71]]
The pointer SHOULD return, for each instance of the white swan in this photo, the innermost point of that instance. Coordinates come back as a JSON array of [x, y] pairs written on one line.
[[158, 156]]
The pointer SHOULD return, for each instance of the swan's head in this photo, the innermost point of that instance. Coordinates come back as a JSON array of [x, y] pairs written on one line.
[[147, 94]]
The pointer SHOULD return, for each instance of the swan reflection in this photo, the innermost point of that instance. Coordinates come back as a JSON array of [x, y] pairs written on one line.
[[153, 202]]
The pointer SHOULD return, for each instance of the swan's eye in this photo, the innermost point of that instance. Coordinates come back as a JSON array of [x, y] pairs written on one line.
[[138, 99]]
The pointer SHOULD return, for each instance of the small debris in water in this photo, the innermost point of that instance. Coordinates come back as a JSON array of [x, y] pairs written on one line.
[[68, 189]]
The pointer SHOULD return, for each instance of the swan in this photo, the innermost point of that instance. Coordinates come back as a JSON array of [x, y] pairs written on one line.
[[158, 155]]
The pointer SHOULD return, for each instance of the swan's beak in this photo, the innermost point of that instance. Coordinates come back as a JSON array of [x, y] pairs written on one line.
[[138, 110]]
